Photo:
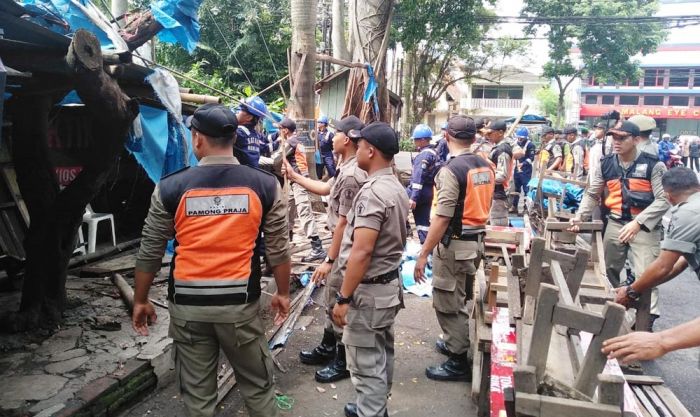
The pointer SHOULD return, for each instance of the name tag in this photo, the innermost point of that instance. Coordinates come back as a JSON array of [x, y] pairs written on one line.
[[640, 170], [481, 178], [218, 205]]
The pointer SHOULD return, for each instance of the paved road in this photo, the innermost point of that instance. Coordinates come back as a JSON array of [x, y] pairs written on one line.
[[680, 302]]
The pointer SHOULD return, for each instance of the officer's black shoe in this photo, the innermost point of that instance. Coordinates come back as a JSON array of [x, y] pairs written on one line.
[[441, 347], [351, 410], [322, 353], [336, 370], [317, 253], [456, 368]]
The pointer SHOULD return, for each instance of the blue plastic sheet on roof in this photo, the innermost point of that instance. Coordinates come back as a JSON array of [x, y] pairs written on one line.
[[55, 14], [179, 20], [371, 90]]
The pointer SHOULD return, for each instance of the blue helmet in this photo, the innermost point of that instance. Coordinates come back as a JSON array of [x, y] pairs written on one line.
[[444, 126], [255, 106], [323, 119], [522, 132], [422, 132]]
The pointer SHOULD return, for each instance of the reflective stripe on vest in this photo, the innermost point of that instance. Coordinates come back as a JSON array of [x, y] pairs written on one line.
[[628, 192]]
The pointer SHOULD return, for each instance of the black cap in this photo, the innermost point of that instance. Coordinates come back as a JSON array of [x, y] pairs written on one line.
[[626, 128], [600, 125], [570, 129], [461, 127], [213, 120], [348, 123], [547, 129], [498, 125], [380, 135], [557, 131], [288, 123], [479, 123]]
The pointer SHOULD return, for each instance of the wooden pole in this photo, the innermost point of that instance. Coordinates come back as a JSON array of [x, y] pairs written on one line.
[[512, 127], [199, 98], [125, 290], [332, 60]]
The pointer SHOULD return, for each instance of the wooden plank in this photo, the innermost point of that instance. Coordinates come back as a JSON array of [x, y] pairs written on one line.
[[493, 279], [556, 387], [543, 406], [646, 403], [560, 281], [594, 361], [524, 379], [553, 225], [514, 309], [671, 401], [535, 267], [542, 328], [567, 261], [575, 276], [656, 401], [575, 317], [643, 317], [643, 379], [610, 390]]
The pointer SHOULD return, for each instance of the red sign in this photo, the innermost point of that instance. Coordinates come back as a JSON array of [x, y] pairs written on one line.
[[66, 175], [503, 359], [657, 112]]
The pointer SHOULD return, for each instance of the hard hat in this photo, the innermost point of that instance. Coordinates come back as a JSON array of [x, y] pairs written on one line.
[[422, 132], [255, 106], [323, 119], [522, 132], [666, 136]]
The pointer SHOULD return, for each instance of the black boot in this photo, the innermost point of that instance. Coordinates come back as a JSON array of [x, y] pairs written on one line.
[[441, 347], [456, 368], [317, 253], [322, 353], [351, 410], [336, 370]]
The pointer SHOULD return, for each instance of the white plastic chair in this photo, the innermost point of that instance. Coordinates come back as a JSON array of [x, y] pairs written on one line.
[[80, 248], [93, 219]]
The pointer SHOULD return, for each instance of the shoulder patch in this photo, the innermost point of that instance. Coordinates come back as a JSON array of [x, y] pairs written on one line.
[[361, 205]]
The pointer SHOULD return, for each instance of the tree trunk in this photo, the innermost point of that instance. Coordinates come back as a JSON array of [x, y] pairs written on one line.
[[407, 90], [340, 45], [56, 215], [369, 22], [303, 102], [560, 103]]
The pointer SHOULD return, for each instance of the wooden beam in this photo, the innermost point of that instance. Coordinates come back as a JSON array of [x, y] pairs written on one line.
[[332, 60], [576, 318], [543, 406], [643, 379], [524, 379], [542, 329], [556, 226], [610, 390]]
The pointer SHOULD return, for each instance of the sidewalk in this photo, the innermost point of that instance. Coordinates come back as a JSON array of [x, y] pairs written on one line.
[[94, 365]]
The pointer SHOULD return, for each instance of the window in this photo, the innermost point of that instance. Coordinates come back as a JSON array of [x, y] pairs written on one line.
[[653, 100], [678, 101], [591, 99], [679, 78], [629, 100], [503, 92], [608, 100], [654, 78]]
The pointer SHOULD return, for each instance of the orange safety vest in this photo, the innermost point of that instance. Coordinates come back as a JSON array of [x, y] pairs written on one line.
[[218, 212], [476, 186], [628, 192]]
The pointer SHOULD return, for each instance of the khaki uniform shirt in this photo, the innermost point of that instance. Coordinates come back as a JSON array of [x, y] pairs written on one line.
[[344, 188], [649, 147], [683, 234], [579, 155], [649, 217], [159, 227], [382, 205]]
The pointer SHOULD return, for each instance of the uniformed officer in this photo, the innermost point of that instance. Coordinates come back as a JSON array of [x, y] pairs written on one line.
[[342, 190], [299, 203], [679, 249], [248, 139], [369, 261], [441, 148], [420, 191], [551, 154], [595, 153], [577, 154], [465, 188], [630, 183], [646, 125], [215, 212], [325, 145], [523, 169], [501, 158]]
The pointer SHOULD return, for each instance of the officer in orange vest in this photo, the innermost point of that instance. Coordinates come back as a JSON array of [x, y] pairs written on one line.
[[215, 212], [465, 188], [629, 182]]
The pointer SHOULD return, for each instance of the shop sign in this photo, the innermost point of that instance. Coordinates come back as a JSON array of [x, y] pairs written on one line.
[[657, 112]]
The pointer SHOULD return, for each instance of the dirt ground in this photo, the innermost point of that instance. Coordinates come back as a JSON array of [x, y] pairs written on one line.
[[413, 394]]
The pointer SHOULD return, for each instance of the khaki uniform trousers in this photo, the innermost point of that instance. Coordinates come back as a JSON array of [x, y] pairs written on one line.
[[499, 213], [369, 344], [642, 251], [196, 350], [333, 284], [300, 206], [454, 269]]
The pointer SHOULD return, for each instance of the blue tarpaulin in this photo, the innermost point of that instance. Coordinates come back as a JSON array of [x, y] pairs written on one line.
[[179, 20], [572, 197], [371, 90], [52, 12]]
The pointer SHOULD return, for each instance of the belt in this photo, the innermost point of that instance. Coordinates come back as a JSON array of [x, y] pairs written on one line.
[[471, 237], [383, 278]]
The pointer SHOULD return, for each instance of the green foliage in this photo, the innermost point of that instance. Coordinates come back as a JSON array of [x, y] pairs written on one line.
[[607, 50], [232, 53], [548, 101]]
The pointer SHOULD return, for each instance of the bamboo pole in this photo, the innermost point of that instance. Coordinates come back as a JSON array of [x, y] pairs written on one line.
[[512, 127], [199, 98]]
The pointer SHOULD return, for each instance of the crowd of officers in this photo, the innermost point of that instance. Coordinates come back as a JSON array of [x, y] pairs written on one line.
[[226, 212]]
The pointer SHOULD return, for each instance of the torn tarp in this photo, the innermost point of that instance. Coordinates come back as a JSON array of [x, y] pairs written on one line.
[[179, 21], [64, 17]]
